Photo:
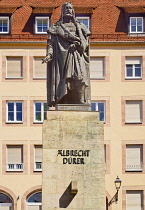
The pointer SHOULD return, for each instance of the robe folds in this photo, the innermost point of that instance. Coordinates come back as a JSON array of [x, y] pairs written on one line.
[[69, 67]]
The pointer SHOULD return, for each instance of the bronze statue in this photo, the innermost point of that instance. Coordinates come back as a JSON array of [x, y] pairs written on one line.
[[67, 58]]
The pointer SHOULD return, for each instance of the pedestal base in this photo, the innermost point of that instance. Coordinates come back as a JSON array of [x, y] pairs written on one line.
[[73, 107], [73, 161]]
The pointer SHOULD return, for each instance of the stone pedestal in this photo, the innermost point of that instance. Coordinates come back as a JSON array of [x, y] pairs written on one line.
[[73, 161]]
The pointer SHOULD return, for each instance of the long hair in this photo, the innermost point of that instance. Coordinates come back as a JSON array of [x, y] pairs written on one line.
[[63, 10]]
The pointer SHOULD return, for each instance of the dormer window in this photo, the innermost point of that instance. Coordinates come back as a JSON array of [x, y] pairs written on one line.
[[4, 25], [136, 24], [84, 20], [41, 25]]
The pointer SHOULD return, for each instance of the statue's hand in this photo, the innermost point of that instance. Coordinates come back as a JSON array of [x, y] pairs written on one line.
[[75, 45], [77, 39], [47, 59]]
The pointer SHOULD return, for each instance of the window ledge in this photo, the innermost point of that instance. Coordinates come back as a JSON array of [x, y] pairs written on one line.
[[9, 78], [133, 170], [43, 78], [133, 122], [37, 170], [40, 33], [12, 122], [4, 33], [40, 122], [130, 78], [14, 170], [97, 78]]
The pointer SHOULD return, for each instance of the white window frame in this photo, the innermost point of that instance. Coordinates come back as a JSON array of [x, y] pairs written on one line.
[[97, 102], [5, 18], [35, 168], [84, 18], [133, 76], [41, 18], [34, 203], [14, 121], [136, 25], [42, 111]]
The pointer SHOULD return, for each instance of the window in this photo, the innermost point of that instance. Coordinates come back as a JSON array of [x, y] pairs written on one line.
[[134, 157], [85, 21], [38, 158], [5, 202], [99, 106], [34, 202], [14, 111], [133, 112], [134, 200], [39, 68], [14, 67], [14, 158], [41, 25], [136, 24], [133, 67], [4, 25], [97, 70], [40, 109]]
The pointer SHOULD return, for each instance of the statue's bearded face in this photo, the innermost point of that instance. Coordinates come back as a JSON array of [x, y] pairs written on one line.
[[68, 10]]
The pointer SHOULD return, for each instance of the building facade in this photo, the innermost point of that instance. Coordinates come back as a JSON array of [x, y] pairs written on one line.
[[117, 72]]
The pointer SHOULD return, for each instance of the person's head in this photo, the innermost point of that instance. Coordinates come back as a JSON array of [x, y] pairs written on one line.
[[67, 9]]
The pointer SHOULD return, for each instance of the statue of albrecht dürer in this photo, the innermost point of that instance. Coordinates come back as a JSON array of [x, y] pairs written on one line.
[[67, 58]]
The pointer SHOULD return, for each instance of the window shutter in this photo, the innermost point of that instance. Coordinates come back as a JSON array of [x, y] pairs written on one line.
[[38, 153], [34, 207], [134, 200], [134, 155], [14, 67], [133, 60], [133, 111], [39, 68], [15, 154], [97, 67]]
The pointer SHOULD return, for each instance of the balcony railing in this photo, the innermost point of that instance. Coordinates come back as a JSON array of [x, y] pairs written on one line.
[[134, 167], [38, 166], [15, 167]]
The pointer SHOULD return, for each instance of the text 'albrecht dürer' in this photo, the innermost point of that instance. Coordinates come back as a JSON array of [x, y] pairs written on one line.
[[70, 154]]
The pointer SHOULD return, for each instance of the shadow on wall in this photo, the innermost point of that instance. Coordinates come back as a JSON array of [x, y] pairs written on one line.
[[30, 25], [122, 23], [66, 197]]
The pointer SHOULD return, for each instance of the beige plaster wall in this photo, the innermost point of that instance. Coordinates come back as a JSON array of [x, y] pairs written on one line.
[[114, 89]]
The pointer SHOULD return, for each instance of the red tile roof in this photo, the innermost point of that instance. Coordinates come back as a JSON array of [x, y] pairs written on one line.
[[109, 18]]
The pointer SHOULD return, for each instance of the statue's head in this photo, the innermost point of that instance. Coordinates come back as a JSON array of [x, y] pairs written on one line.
[[67, 9]]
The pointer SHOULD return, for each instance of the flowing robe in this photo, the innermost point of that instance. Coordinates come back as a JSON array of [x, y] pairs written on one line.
[[69, 68]]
